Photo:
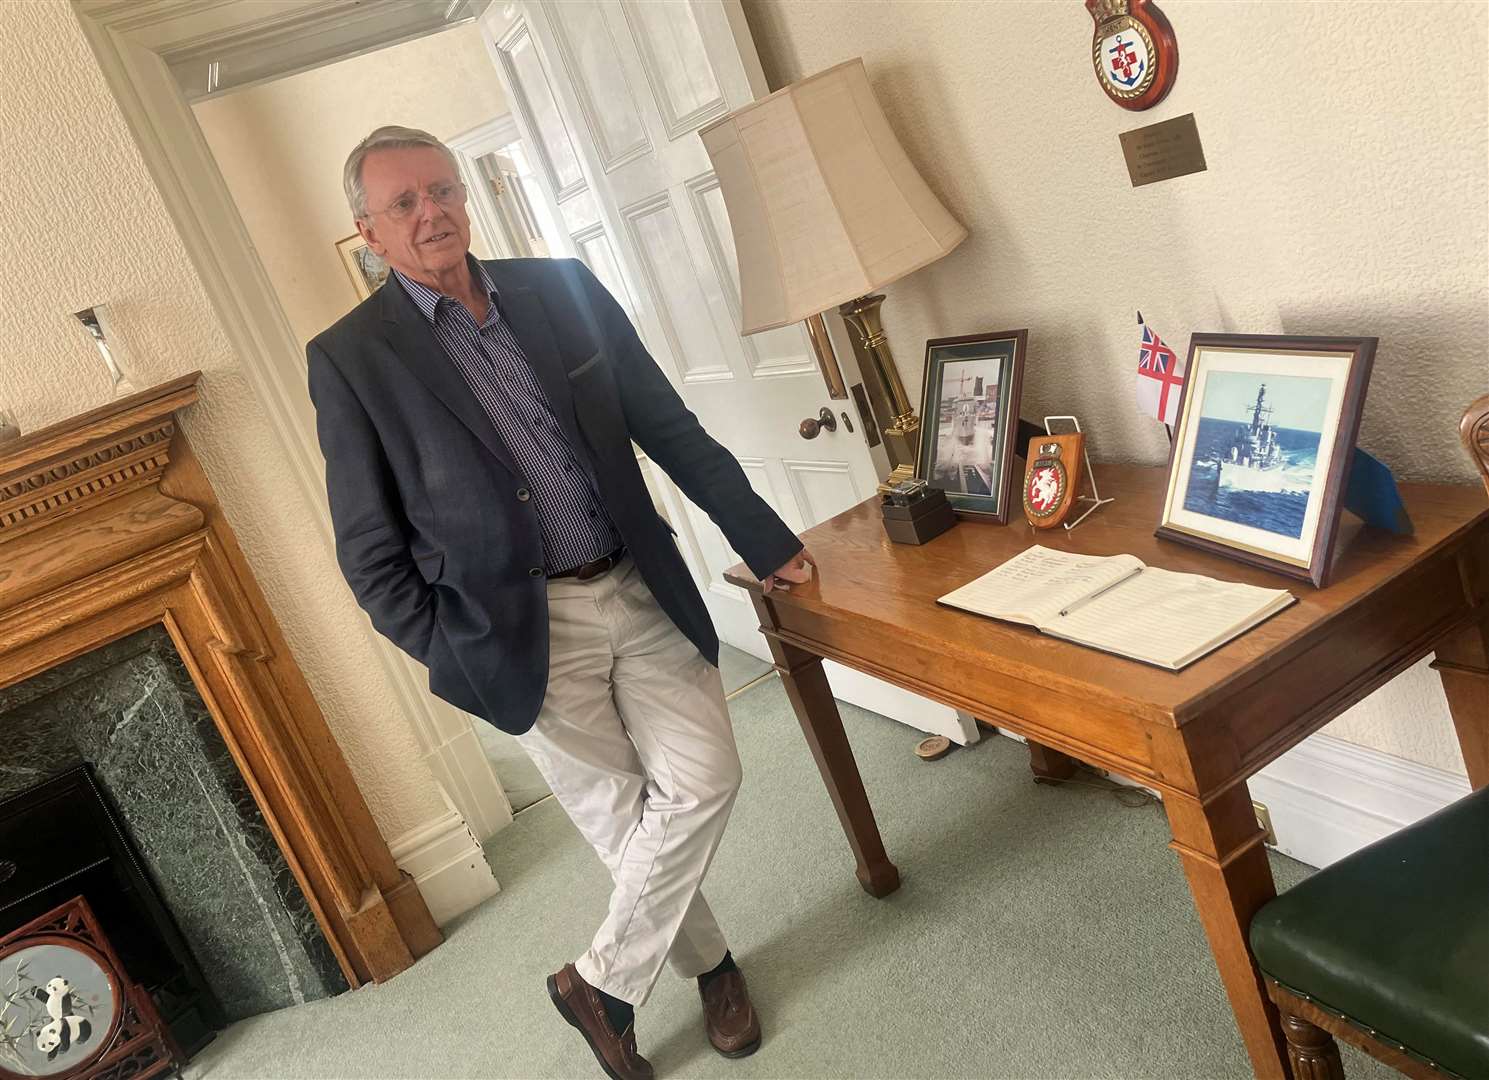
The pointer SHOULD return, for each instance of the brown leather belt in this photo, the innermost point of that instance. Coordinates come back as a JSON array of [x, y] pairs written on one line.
[[595, 567]]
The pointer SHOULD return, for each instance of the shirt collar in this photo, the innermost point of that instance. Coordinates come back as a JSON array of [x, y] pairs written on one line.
[[427, 300]]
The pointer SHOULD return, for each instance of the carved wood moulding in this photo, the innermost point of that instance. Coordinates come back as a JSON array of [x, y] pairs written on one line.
[[108, 525], [121, 465], [104, 453]]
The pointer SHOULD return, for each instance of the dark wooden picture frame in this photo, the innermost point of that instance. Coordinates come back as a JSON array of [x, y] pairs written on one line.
[[1244, 466], [1006, 348]]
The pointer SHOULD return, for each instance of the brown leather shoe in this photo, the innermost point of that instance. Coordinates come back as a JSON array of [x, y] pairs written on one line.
[[579, 1004], [731, 1021]]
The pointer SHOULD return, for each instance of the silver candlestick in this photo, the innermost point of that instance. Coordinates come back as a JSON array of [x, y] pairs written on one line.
[[96, 321]]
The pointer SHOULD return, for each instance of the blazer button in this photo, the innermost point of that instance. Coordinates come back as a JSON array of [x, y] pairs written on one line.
[[523, 495], [536, 571]]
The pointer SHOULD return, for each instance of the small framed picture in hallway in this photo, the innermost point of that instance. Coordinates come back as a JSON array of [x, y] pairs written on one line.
[[364, 266]]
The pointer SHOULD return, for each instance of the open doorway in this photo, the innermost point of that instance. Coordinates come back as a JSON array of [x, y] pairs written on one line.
[[280, 144], [507, 200]]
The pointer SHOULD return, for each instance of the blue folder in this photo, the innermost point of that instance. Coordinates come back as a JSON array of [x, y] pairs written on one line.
[[1371, 495]]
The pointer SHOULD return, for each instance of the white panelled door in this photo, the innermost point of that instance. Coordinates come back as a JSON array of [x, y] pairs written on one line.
[[611, 93]]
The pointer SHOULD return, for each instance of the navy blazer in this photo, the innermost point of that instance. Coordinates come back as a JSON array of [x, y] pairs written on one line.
[[431, 535]]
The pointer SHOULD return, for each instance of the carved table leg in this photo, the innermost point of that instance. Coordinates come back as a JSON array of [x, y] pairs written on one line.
[[1311, 1051], [1049, 764], [1221, 849], [811, 697], [1463, 663]]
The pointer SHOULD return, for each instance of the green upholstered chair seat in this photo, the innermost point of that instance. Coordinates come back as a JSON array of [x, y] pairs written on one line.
[[1396, 937]]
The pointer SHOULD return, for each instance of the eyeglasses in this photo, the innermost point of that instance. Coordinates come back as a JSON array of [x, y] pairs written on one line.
[[409, 203]]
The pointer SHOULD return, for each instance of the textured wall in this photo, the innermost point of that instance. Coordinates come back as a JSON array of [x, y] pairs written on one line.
[[84, 224], [1346, 194], [281, 147]]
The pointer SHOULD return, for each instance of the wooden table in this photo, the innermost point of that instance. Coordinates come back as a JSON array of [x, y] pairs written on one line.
[[1196, 735]]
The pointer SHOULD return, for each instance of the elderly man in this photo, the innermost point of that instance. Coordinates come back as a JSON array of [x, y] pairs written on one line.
[[477, 421]]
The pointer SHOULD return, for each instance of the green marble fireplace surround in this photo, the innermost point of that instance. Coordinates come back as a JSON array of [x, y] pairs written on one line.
[[131, 711], [134, 638]]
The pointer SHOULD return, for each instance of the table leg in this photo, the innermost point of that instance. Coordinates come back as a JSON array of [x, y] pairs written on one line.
[[817, 712], [1221, 848], [1049, 764], [1463, 663]]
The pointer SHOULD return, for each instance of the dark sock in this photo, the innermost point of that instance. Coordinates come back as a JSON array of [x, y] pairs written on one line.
[[622, 1014], [726, 964]]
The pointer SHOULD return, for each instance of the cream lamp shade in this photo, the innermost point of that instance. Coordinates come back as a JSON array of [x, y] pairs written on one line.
[[823, 202]]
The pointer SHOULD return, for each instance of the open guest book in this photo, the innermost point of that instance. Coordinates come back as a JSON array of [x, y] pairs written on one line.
[[1118, 604]]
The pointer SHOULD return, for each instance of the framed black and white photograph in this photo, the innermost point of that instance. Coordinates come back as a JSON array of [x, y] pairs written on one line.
[[364, 266], [969, 419], [1262, 448]]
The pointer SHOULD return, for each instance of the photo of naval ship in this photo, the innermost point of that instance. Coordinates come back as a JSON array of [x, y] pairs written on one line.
[[1253, 461], [967, 430], [1249, 468]]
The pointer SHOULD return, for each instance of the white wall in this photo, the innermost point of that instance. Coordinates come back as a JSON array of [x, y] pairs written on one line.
[[281, 145], [1346, 194], [83, 224]]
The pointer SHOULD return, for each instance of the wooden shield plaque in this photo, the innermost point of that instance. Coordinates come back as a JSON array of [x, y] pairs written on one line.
[[1134, 50], [1052, 478]]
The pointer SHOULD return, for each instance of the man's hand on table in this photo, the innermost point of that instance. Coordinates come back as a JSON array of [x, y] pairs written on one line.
[[796, 570]]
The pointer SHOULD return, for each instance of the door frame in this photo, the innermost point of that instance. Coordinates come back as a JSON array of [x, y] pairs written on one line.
[[131, 42], [491, 137]]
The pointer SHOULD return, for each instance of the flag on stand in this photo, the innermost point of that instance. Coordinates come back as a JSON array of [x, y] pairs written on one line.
[[1158, 379]]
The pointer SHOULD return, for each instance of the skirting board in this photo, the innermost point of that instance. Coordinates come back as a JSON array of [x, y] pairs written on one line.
[[448, 865], [1328, 798]]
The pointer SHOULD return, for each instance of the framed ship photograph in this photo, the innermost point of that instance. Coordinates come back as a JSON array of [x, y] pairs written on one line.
[[1263, 445], [969, 419]]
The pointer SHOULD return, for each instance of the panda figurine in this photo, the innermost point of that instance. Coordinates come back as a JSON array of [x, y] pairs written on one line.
[[65, 1026]]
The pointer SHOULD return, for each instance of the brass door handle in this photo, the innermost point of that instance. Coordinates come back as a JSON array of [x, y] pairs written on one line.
[[813, 424]]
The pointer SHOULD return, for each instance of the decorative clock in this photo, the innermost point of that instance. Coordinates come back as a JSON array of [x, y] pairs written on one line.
[[1134, 50]]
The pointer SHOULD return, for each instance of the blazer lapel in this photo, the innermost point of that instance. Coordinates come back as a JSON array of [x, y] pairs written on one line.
[[524, 313], [414, 343]]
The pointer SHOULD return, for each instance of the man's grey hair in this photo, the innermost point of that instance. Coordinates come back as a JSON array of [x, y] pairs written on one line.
[[390, 137]]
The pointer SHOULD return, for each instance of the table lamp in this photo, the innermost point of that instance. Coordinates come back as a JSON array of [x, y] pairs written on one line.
[[825, 208]]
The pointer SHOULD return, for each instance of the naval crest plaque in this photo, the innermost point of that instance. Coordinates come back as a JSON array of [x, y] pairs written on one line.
[[1134, 51]]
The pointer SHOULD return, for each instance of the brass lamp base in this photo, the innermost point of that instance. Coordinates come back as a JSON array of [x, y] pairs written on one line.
[[863, 315]]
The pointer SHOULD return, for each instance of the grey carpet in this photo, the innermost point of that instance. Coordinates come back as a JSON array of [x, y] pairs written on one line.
[[1040, 932], [519, 777], [739, 668]]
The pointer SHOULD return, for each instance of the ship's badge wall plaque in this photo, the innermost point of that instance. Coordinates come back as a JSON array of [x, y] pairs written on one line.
[[1051, 479], [1134, 50]]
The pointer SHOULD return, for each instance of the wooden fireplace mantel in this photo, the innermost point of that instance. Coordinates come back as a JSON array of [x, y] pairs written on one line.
[[109, 525]]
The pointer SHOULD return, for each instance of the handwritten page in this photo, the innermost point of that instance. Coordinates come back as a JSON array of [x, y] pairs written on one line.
[[1035, 585], [1117, 604], [1168, 619]]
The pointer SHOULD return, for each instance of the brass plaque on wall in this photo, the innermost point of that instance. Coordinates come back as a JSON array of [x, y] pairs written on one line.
[[1163, 151]]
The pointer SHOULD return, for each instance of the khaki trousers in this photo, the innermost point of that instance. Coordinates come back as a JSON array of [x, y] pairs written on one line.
[[635, 741]]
